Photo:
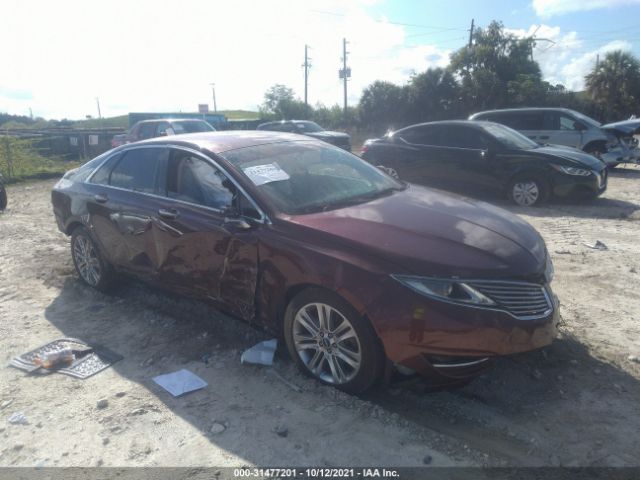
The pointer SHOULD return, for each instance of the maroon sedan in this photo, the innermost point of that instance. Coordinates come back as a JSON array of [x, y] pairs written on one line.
[[360, 273]]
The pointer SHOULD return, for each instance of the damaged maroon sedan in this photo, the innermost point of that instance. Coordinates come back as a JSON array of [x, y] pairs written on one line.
[[361, 274]]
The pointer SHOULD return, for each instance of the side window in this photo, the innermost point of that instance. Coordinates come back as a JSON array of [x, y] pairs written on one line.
[[137, 169], [146, 130], [101, 177], [163, 129], [421, 136], [527, 121], [194, 180], [462, 137], [567, 123]]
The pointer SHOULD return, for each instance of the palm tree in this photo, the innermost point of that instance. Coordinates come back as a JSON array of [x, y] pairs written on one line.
[[614, 84]]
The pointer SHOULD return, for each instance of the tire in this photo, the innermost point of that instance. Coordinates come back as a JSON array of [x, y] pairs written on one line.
[[528, 190], [90, 265], [352, 364], [3, 198]]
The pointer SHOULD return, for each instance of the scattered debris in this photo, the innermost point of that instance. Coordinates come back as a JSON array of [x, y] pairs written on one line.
[[596, 246], [121, 394], [633, 358], [262, 353], [88, 360], [105, 441], [101, 404], [281, 431], [427, 459], [180, 382], [537, 374], [563, 252], [217, 428], [18, 418], [292, 386], [6, 403]]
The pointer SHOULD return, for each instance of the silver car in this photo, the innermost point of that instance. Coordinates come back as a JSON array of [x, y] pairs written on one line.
[[561, 126]]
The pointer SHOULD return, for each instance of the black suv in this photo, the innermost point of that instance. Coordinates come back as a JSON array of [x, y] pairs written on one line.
[[312, 129]]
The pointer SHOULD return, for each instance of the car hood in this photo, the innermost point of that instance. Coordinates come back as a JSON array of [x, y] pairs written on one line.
[[422, 231], [625, 127], [327, 134], [568, 154]]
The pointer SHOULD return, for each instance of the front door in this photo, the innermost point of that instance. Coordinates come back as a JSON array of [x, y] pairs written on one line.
[[197, 249]]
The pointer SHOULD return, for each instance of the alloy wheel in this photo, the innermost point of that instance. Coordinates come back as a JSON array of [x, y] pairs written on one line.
[[327, 343], [86, 259], [525, 193]]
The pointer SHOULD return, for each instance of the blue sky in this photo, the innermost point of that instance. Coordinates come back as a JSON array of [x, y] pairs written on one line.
[[150, 55]]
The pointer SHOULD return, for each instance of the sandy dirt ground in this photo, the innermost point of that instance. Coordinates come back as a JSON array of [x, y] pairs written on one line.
[[573, 403]]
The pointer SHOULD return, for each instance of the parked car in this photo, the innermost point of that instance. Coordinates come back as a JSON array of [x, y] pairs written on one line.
[[628, 132], [561, 126], [311, 129], [3, 194], [159, 128], [474, 156], [352, 267]]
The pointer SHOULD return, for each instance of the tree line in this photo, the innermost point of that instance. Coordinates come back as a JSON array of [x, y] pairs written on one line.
[[496, 71]]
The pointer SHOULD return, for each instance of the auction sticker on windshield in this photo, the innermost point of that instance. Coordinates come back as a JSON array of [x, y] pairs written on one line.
[[261, 174]]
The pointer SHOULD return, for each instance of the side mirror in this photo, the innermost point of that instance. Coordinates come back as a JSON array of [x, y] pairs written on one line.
[[581, 127]]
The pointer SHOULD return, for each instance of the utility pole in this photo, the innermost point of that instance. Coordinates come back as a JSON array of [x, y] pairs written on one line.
[[471, 32], [306, 66], [344, 72], [215, 105], [98, 103], [597, 61]]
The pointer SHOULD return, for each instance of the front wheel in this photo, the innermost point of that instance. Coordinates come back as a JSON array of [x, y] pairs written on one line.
[[91, 267], [330, 341], [528, 191]]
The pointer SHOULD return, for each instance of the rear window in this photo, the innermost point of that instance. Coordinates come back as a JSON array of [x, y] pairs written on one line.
[[191, 127]]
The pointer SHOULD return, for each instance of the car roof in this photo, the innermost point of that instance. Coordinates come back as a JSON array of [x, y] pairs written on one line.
[[524, 109], [466, 123], [223, 141], [281, 122], [172, 120]]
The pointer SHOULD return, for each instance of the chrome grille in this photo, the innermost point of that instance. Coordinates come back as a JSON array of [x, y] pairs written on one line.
[[522, 300]]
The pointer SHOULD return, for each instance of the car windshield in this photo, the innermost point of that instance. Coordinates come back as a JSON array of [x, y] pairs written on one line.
[[585, 119], [191, 127], [307, 127], [509, 138], [306, 177]]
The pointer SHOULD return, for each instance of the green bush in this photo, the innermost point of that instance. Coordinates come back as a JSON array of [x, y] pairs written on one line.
[[19, 160]]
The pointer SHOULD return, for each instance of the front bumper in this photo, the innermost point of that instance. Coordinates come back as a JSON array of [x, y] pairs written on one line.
[[452, 341], [567, 185]]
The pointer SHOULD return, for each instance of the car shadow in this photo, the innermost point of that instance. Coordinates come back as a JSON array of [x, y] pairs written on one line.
[[527, 410]]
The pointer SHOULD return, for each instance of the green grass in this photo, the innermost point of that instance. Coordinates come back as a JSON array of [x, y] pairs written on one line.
[[19, 161], [121, 121], [240, 114]]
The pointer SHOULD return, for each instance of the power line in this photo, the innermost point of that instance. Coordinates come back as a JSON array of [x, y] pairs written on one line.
[[413, 25]]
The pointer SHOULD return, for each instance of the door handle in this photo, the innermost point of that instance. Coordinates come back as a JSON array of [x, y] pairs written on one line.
[[170, 213], [100, 198]]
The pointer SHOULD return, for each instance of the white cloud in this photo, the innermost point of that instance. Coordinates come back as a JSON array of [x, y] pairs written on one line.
[[548, 8], [564, 57], [155, 56]]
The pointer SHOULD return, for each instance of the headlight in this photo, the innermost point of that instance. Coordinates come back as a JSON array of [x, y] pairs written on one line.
[[572, 170], [444, 289], [549, 271]]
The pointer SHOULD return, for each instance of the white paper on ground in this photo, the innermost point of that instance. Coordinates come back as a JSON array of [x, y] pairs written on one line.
[[261, 174], [180, 382], [261, 353]]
